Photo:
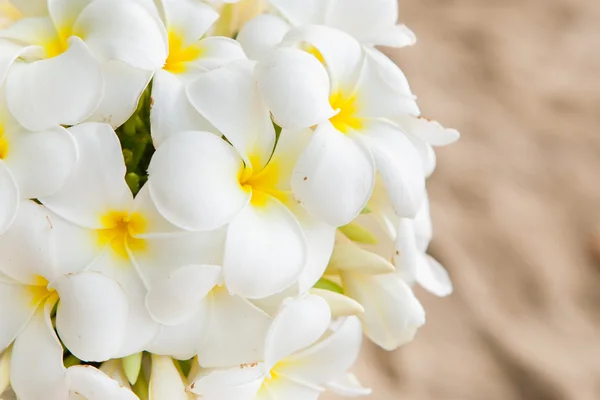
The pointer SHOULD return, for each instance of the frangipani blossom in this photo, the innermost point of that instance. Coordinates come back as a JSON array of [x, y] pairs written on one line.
[[371, 22], [90, 318], [199, 182], [32, 164], [115, 234], [190, 53], [326, 79], [62, 66], [392, 314], [303, 353]]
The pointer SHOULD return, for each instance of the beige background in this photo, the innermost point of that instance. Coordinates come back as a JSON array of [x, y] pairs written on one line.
[[515, 203]]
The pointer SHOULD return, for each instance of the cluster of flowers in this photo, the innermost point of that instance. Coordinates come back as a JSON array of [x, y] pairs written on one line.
[[187, 215]]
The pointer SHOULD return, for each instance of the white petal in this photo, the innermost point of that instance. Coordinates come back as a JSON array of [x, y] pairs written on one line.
[[239, 383], [231, 90], [348, 386], [41, 162], [299, 324], [398, 163], [92, 315], [342, 54], [93, 384], [284, 388], [334, 177], [31, 8], [429, 131], [123, 86], [189, 19], [36, 369], [125, 31], [217, 51], [64, 12], [290, 146], [9, 197], [265, 250], [423, 226], [98, 183], [26, 247], [307, 12], [171, 111], [140, 329], [177, 298], [428, 156], [62, 90], [350, 257], [407, 255], [5, 370], [236, 332], [359, 17], [260, 35], [182, 341], [327, 359], [383, 90], [194, 181], [392, 312], [391, 36], [17, 306], [165, 381], [340, 305], [156, 225], [9, 52], [296, 88], [433, 277]]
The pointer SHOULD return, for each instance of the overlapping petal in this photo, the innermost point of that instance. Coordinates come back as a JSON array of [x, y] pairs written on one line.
[[260, 35], [9, 197], [93, 384]]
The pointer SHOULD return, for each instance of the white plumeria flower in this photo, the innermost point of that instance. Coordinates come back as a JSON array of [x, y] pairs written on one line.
[[223, 329], [80, 60], [32, 164], [301, 356], [340, 88], [90, 318], [190, 53], [392, 314], [101, 226], [198, 182], [371, 22]]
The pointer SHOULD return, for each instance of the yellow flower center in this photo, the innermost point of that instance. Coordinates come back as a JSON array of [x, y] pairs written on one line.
[[179, 55], [120, 231], [39, 292], [3, 144], [262, 184], [310, 49], [345, 120], [58, 44]]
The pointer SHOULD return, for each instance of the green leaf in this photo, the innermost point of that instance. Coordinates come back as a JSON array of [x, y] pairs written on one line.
[[132, 365], [326, 284], [359, 234]]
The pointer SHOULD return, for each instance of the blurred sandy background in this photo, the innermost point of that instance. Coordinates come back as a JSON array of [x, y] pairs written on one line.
[[515, 204]]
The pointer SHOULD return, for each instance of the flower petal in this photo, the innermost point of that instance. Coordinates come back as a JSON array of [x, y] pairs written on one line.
[[239, 383], [123, 87], [399, 164], [17, 306], [63, 90], [92, 315], [265, 251], [390, 36], [236, 331], [340, 305], [93, 384], [32, 8], [296, 88], [165, 380], [98, 184], [329, 358], [433, 277], [383, 90], [125, 31], [407, 255], [307, 12], [360, 17], [177, 298], [26, 247], [284, 388], [348, 256], [429, 131], [341, 54], [392, 312], [9, 52], [217, 51], [189, 19], [64, 12], [260, 35], [298, 324], [231, 90], [334, 177], [194, 181], [9, 197], [41, 162], [171, 111], [348, 386], [36, 368]]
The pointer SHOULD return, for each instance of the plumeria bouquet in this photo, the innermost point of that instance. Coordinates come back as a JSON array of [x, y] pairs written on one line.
[[207, 200]]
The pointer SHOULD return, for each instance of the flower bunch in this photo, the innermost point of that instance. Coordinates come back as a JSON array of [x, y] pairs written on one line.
[[187, 215]]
